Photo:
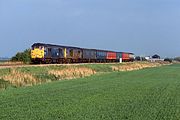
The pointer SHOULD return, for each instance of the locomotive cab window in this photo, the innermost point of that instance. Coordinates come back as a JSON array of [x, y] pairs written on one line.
[[38, 47], [41, 47], [35, 47]]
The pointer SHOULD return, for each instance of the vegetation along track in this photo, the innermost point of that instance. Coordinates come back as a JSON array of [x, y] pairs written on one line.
[[29, 75]]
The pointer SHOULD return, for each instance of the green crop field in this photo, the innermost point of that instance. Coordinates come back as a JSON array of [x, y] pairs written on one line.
[[148, 94]]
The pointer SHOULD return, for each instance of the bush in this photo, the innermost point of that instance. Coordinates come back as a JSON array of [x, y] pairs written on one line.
[[138, 58], [22, 56], [168, 60]]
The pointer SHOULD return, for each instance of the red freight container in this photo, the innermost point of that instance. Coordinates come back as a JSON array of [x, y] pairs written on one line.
[[125, 56], [111, 55]]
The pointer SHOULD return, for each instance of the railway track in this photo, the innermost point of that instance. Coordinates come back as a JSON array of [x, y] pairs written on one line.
[[11, 65], [3, 66]]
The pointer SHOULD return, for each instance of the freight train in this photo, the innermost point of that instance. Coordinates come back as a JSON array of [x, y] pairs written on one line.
[[49, 53]]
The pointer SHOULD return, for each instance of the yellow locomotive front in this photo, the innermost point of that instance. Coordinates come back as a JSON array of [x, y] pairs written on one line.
[[37, 53]]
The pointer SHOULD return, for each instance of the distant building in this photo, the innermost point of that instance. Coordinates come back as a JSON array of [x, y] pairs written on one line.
[[147, 57], [156, 56]]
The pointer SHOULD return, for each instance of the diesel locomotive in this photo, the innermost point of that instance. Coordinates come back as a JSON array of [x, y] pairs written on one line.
[[49, 53]]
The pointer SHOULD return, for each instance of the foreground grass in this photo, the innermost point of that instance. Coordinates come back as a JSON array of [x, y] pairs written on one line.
[[138, 95]]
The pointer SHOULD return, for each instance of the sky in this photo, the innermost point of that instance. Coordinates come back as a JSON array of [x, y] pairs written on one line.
[[144, 27]]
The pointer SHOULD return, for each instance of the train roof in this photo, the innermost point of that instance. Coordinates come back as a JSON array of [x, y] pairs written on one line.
[[53, 45]]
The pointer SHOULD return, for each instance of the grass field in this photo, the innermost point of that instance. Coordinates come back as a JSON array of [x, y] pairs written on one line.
[[148, 94]]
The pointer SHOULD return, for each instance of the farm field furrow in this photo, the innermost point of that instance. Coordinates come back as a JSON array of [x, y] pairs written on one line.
[[147, 94]]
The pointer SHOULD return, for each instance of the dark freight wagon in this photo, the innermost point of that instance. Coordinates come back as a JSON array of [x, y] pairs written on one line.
[[73, 53], [56, 52], [89, 54], [101, 55]]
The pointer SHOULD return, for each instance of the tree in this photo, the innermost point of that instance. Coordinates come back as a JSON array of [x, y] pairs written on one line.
[[168, 60], [22, 56]]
